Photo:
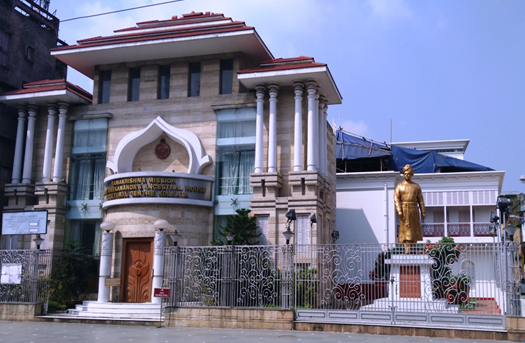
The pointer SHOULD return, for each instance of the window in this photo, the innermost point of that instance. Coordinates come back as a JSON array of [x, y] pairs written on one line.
[[226, 76], [29, 53], [163, 88], [235, 150], [104, 84], [88, 160], [86, 233], [194, 80], [134, 84], [262, 229], [303, 232]]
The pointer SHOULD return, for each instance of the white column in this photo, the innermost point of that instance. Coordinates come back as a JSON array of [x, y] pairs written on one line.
[[298, 127], [158, 263], [259, 142], [30, 137], [311, 163], [48, 152], [59, 152], [106, 250], [324, 133], [272, 131], [17, 162], [322, 143], [316, 129]]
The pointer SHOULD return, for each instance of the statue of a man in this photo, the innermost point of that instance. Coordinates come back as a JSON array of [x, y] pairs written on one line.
[[408, 200]]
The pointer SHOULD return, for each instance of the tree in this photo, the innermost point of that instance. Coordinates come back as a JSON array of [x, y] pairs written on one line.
[[242, 226]]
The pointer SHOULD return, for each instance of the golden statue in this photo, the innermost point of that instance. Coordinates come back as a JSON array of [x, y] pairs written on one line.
[[407, 197]]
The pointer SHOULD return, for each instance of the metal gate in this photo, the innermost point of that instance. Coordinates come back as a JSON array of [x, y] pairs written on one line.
[[435, 285], [25, 276]]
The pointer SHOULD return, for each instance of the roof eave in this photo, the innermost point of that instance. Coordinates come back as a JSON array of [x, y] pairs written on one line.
[[286, 77], [84, 59], [43, 98]]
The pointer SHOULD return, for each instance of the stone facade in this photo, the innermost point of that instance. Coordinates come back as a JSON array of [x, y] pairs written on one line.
[[294, 145]]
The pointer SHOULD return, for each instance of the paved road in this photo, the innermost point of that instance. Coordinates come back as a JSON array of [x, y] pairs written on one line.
[[42, 332]]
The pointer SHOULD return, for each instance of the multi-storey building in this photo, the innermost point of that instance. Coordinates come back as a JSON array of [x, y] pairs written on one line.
[[191, 119], [27, 33]]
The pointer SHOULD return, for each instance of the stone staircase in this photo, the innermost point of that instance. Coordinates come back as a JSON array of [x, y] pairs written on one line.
[[93, 310]]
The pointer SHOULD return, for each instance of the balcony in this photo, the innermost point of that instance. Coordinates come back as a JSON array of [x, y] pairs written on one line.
[[456, 229]]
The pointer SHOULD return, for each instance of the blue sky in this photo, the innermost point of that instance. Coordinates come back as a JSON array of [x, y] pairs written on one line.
[[438, 70]]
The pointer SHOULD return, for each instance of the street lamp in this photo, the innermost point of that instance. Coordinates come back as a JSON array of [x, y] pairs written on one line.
[[161, 224], [175, 236], [288, 234], [230, 237], [38, 241], [107, 226]]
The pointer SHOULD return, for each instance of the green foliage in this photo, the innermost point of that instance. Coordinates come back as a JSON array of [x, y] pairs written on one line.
[[69, 278], [307, 288], [454, 288], [242, 226]]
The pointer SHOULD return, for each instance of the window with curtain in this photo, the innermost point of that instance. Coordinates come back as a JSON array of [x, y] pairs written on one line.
[[88, 160], [235, 150], [262, 229], [303, 232], [86, 233]]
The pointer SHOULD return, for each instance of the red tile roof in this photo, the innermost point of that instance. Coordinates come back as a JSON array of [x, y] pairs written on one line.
[[284, 64], [51, 85], [173, 28]]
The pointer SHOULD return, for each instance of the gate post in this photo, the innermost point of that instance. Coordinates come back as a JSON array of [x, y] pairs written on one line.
[[287, 293], [105, 260], [158, 262]]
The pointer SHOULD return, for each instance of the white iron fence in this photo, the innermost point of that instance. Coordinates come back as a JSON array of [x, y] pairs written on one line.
[[25, 276], [435, 284]]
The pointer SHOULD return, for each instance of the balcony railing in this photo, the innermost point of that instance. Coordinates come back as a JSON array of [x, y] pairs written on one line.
[[433, 229], [456, 230]]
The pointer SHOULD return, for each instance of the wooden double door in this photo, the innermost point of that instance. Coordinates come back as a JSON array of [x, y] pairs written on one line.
[[137, 270]]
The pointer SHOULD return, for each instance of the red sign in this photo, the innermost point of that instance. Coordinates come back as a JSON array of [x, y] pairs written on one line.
[[161, 292]]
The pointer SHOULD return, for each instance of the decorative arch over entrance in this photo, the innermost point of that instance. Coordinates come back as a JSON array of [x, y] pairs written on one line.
[[129, 146]]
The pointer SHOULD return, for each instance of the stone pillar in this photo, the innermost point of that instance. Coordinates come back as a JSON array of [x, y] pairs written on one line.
[[298, 127], [158, 263], [17, 163], [59, 152], [322, 144], [272, 134], [30, 137], [106, 251], [259, 142], [48, 152], [311, 163], [316, 129]]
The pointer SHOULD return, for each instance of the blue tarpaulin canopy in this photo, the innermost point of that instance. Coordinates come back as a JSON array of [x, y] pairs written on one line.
[[429, 161], [351, 147]]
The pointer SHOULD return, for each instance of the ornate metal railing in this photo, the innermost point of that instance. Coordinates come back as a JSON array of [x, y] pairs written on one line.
[[455, 279], [458, 229], [25, 276], [482, 230], [433, 229]]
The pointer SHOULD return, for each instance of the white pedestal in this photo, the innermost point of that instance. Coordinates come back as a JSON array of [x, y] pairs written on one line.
[[411, 286]]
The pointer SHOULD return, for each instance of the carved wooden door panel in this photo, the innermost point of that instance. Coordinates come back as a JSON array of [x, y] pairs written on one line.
[[137, 270]]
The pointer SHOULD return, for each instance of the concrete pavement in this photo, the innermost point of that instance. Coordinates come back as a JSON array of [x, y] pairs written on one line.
[[45, 332]]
